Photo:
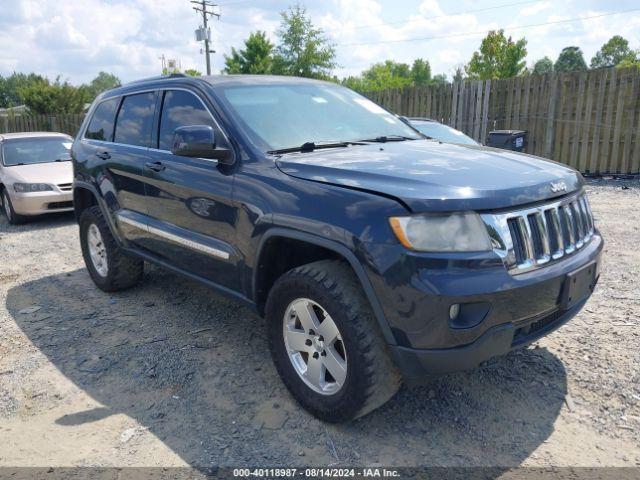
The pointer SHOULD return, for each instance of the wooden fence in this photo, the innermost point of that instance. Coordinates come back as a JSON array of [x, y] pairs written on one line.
[[589, 120], [69, 124]]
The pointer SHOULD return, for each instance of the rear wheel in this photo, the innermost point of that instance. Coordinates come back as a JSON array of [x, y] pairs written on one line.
[[12, 217], [326, 344], [110, 269]]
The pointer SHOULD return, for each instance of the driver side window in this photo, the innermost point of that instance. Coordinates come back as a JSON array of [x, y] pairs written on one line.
[[180, 109]]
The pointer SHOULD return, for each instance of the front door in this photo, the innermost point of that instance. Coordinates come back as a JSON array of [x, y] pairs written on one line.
[[191, 214]]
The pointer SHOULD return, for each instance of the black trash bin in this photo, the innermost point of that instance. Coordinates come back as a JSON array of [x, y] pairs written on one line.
[[508, 140]]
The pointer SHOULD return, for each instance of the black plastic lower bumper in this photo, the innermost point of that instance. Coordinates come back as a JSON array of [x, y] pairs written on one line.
[[418, 366]]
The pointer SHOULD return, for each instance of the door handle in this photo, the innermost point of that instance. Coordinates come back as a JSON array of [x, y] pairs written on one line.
[[155, 166], [103, 155]]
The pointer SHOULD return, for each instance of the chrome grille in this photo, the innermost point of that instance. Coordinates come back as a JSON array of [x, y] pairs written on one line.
[[65, 187], [533, 237]]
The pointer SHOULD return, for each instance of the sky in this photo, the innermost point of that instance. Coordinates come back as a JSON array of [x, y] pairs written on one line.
[[75, 39]]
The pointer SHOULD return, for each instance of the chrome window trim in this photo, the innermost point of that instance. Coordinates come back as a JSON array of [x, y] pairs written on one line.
[[503, 244], [193, 245], [147, 149]]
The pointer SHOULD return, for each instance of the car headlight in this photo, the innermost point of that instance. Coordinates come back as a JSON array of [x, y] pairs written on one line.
[[31, 187], [456, 232]]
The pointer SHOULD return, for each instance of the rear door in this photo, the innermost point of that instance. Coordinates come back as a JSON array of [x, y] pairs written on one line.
[[112, 154], [126, 162], [191, 212]]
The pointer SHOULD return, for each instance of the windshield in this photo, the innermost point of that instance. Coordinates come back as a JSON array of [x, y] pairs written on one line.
[[444, 133], [27, 151], [287, 116]]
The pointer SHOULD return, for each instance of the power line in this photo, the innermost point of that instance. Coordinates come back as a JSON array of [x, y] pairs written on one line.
[[238, 2], [465, 34], [410, 20], [454, 14], [206, 8]]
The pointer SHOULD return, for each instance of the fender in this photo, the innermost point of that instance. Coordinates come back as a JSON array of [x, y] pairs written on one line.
[[345, 253], [103, 207]]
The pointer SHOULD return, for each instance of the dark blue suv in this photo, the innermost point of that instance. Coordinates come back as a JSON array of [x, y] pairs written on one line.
[[374, 253]]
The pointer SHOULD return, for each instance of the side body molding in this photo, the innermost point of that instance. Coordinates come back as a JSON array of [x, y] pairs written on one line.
[[190, 240]]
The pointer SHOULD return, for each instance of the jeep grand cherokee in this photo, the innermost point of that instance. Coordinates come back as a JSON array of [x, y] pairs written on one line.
[[375, 254]]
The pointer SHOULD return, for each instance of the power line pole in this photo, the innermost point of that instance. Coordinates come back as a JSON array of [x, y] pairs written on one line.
[[206, 8]]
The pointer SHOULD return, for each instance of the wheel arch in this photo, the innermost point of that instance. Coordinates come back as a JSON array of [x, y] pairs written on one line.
[[335, 250], [86, 195]]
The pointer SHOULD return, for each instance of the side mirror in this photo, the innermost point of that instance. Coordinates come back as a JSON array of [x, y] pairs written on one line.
[[199, 141]]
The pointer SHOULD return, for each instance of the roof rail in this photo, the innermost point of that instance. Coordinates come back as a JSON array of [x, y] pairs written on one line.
[[159, 77]]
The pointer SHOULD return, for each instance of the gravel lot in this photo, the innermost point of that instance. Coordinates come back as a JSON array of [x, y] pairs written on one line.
[[171, 374]]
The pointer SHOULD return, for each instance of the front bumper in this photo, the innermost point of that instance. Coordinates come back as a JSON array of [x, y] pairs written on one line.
[[418, 366], [38, 203], [416, 292]]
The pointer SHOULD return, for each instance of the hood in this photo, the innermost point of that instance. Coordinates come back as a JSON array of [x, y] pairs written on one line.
[[53, 173], [432, 176]]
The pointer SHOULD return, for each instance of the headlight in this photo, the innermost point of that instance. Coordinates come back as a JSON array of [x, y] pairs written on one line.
[[31, 187], [457, 232]]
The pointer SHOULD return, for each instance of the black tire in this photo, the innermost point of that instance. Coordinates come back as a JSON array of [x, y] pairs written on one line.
[[123, 271], [7, 207], [372, 378]]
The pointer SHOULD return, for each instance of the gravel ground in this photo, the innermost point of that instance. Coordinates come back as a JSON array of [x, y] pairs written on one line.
[[171, 374]]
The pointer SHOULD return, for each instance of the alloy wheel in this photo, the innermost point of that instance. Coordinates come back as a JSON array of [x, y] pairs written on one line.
[[97, 250], [314, 346]]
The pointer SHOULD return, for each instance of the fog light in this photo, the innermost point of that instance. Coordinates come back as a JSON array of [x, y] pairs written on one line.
[[467, 315], [454, 311]]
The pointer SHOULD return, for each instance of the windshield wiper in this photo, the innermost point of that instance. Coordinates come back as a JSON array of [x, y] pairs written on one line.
[[311, 146], [388, 138]]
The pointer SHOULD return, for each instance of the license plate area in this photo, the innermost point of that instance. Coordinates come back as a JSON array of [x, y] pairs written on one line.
[[579, 285]]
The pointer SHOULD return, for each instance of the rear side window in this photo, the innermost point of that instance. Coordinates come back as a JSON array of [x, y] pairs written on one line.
[[135, 119], [101, 125], [180, 109]]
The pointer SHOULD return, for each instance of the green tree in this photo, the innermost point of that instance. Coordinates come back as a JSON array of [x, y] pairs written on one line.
[[192, 72], [55, 98], [439, 79], [381, 76], [104, 81], [570, 59], [629, 63], [355, 83], [421, 72], [542, 66], [390, 74], [303, 50], [458, 75], [256, 58], [614, 52], [498, 57], [11, 86]]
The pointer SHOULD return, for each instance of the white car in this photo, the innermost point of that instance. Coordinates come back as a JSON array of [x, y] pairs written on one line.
[[441, 132], [36, 175]]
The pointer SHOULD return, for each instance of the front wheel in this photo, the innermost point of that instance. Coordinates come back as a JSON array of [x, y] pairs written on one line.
[[326, 344], [110, 269], [12, 217]]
